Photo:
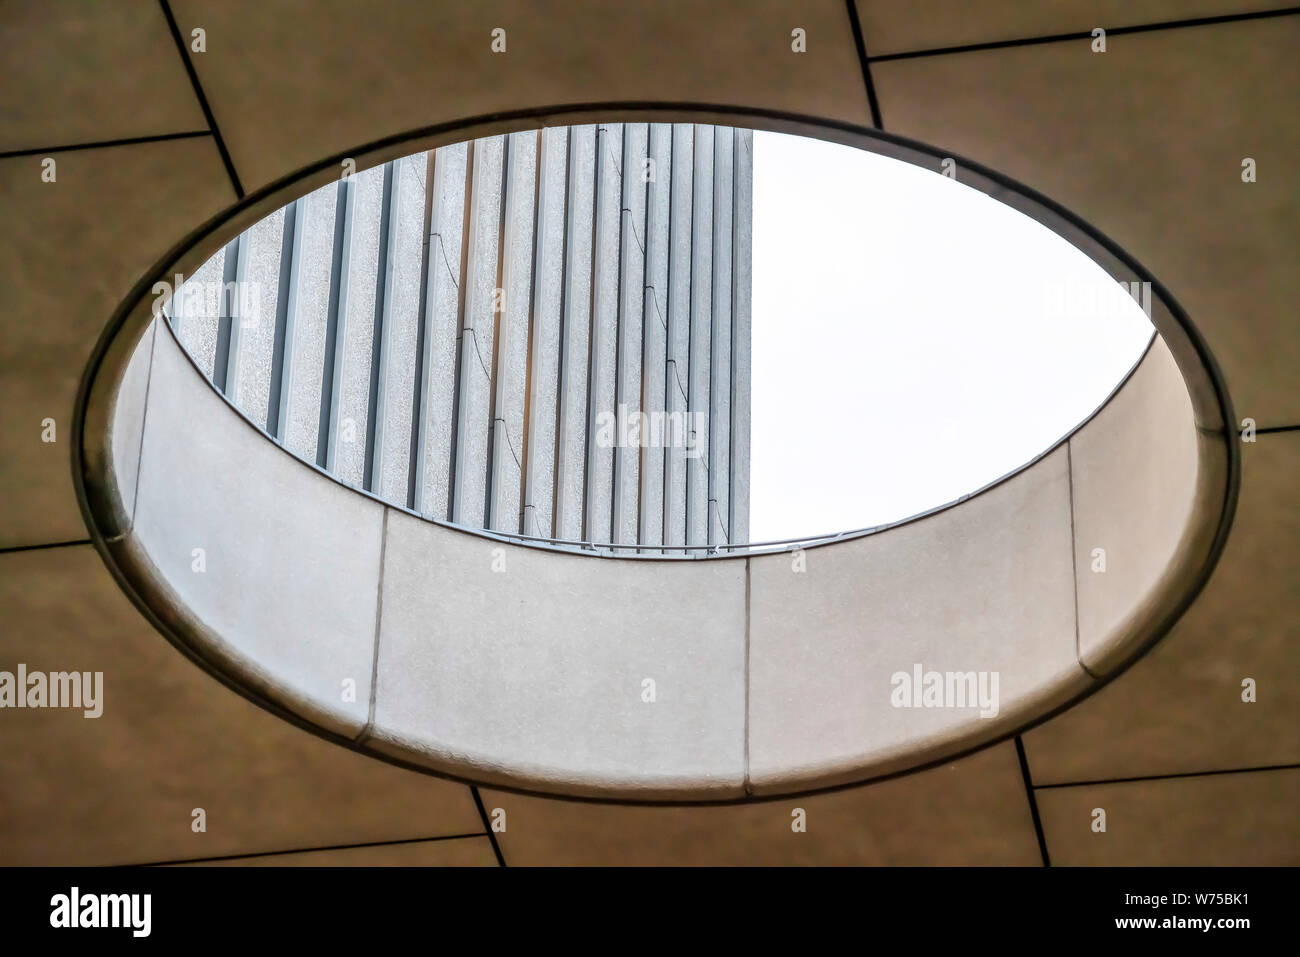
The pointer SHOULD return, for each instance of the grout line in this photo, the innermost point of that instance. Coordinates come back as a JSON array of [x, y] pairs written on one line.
[[749, 787], [487, 825], [203, 100], [31, 548], [1033, 801], [1074, 560], [865, 62], [1084, 34], [379, 614], [1276, 428], [1167, 777], [144, 420], [105, 144], [307, 850]]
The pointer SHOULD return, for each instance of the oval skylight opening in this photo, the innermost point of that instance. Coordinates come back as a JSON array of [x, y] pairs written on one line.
[[660, 339]]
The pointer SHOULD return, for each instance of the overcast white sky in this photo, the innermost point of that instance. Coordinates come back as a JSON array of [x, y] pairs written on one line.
[[913, 339]]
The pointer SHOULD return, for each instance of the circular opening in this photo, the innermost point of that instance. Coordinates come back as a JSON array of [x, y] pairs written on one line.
[[452, 650]]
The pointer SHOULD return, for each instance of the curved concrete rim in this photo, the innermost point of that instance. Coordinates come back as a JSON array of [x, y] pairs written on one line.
[[1211, 404]]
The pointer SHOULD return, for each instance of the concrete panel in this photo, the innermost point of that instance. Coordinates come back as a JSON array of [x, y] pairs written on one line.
[[575, 339], [982, 587], [684, 50], [1180, 708], [719, 447], [697, 378], [970, 812], [442, 329], [626, 523], [119, 76], [285, 600], [548, 303], [678, 299], [536, 673], [1129, 172], [1216, 821], [456, 852], [1133, 478], [306, 369], [601, 389], [127, 427], [364, 209], [654, 363], [902, 26], [478, 332], [121, 788], [70, 252], [511, 372], [401, 318]]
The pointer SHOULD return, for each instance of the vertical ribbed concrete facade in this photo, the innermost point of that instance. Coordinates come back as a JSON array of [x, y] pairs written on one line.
[[543, 333]]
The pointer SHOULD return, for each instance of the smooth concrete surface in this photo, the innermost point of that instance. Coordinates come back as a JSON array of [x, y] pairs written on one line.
[[1146, 146], [1213, 96], [1134, 472], [69, 253], [984, 586], [1179, 710], [969, 812], [286, 597], [122, 788], [126, 429], [906, 26], [535, 674], [1219, 820]]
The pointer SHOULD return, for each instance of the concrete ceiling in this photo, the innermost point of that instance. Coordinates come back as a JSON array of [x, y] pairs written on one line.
[[1144, 141]]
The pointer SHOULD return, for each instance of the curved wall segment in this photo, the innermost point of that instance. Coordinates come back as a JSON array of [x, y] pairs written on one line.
[[636, 678]]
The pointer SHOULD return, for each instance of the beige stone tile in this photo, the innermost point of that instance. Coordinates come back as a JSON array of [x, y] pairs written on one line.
[[1216, 820], [84, 72], [971, 812]]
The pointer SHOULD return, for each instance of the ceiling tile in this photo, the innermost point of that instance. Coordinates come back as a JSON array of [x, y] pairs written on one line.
[[1213, 821], [89, 72], [971, 812], [904, 26]]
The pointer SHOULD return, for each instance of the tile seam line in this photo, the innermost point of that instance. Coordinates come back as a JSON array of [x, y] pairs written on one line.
[[1168, 777], [105, 144], [1084, 34], [1041, 837], [202, 98], [306, 850], [487, 825], [14, 549]]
